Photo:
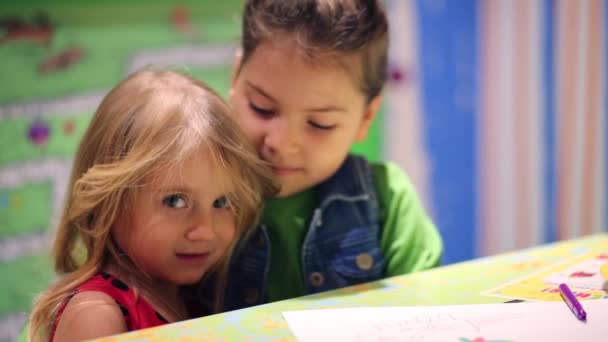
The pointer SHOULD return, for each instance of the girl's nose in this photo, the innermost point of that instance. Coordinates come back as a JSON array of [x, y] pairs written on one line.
[[203, 229]]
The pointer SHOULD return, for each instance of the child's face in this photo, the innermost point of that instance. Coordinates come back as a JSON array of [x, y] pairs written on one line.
[[181, 223], [302, 118]]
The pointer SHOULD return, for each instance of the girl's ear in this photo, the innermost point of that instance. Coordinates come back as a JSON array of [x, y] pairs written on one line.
[[368, 118], [236, 66]]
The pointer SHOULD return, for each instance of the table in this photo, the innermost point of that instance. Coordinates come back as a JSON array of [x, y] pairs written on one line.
[[453, 284]]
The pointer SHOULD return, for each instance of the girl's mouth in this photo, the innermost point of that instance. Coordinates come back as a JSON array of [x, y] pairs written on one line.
[[192, 257], [285, 171]]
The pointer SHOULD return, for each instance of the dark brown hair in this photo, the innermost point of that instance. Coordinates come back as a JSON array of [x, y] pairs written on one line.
[[320, 27]]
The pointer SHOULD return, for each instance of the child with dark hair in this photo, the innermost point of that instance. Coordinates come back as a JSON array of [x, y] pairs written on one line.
[[306, 86]]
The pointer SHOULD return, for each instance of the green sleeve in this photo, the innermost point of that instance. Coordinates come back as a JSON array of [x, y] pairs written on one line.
[[410, 241]]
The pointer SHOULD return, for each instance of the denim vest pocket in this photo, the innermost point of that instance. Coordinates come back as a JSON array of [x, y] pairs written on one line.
[[359, 258]]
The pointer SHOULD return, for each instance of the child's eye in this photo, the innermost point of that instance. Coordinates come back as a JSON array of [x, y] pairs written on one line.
[[263, 112], [175, 201], [221, 203], [323, 127]]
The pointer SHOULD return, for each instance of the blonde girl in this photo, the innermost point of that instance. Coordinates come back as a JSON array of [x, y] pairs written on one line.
[[162, 186]]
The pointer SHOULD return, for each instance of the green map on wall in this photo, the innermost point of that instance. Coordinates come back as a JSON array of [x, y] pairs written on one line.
[[59, 60]]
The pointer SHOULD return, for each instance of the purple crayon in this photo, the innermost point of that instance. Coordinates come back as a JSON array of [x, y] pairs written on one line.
[[573, 303]]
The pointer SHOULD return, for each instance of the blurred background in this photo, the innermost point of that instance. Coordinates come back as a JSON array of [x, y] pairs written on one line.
[[496, 109]]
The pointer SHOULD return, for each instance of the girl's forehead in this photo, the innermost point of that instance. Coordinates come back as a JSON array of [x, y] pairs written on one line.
[[197, 170]]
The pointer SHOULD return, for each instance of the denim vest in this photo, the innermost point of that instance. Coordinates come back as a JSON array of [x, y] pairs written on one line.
[[341, 247]]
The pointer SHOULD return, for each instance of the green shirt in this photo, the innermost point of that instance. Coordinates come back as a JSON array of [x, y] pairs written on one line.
[[410, 242]]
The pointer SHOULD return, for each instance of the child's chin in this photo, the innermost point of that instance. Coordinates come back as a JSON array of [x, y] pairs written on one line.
[[286, 192], [190, 279]]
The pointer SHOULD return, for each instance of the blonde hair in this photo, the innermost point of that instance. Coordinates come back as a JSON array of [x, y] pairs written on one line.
[[151, 121]]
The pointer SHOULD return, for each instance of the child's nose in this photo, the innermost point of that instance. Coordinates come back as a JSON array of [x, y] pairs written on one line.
[[202, 229], [283, 138]]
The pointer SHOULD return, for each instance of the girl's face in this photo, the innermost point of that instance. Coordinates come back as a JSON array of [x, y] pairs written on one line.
[[181, 223], [303, 118]]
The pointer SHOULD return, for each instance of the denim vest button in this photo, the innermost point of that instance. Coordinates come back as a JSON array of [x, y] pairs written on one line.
[[250, 295], [316, 279], [364, 261]]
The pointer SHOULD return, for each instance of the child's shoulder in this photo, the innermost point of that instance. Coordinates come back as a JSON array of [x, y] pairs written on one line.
[[393, 187], [84, 302], [89, 314], [101, 306], [388, 175]]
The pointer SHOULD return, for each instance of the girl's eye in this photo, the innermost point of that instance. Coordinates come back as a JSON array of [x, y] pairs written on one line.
[[221, 203], [263, 112], [323, 127], [175, 201]]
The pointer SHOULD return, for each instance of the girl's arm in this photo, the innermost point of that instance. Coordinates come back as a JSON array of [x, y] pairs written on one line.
[[89, 315]]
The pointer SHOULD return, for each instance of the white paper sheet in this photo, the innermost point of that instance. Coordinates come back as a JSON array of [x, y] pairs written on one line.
[[535, 321]]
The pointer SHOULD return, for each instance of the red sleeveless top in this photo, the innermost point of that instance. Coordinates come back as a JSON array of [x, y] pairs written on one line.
[[138, 313]]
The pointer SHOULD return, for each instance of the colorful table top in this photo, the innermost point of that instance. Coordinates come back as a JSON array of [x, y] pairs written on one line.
[[454, 284]]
